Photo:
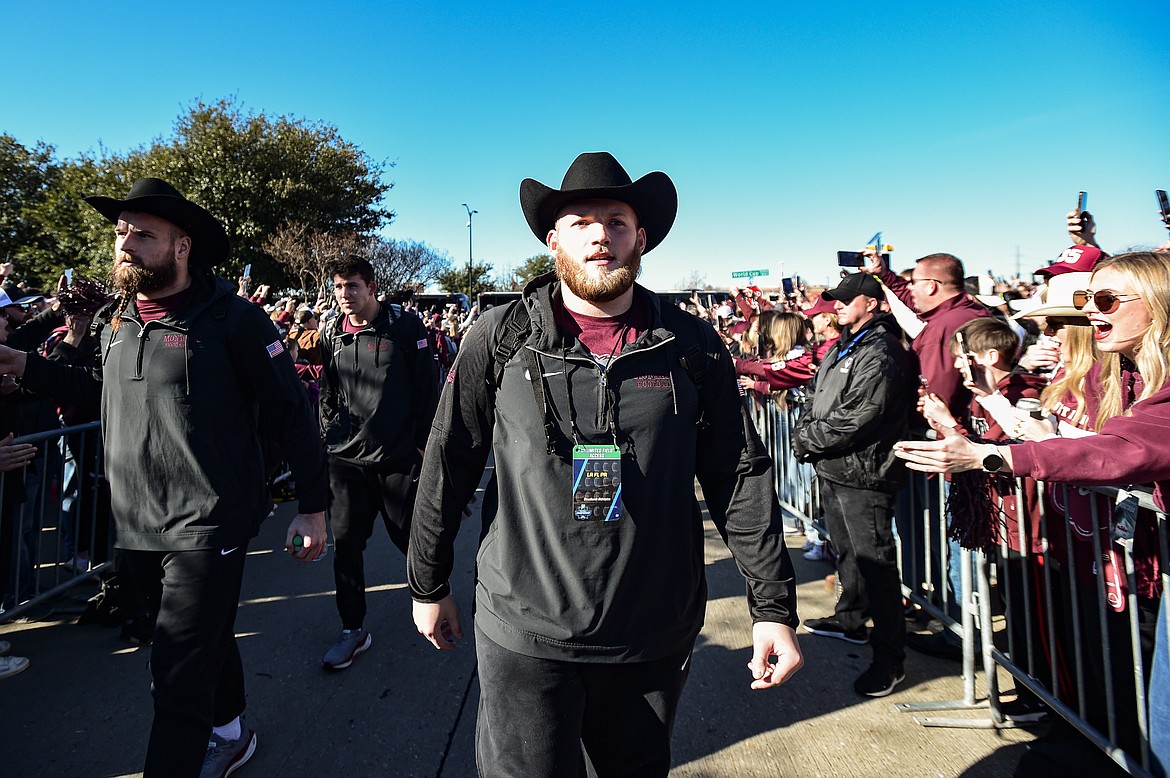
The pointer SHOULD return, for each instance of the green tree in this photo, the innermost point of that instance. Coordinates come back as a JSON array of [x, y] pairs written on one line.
[[455, 279], [534, 266], [27, 176]]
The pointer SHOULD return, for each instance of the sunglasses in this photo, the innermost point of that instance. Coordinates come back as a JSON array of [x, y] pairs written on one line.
[[1105, 302]]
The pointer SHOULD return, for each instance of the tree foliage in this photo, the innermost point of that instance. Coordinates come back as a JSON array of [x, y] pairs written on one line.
[[256, 173], [534, 266], [399, 264], [455, 279]]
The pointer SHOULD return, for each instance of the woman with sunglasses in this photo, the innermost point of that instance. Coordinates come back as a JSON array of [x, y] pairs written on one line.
[[1128, 306]]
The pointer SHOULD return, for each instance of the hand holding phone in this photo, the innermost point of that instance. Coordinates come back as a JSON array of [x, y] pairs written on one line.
[[966, 361], [1163, 206]]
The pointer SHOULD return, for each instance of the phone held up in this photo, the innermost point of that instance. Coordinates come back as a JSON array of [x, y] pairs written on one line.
[[1082, 203], [967, 367], [856, 259], [1164, 206]]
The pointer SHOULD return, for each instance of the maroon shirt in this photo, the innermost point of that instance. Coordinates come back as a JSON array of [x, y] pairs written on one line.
[[150, 310], [600, 334], [933, 344]]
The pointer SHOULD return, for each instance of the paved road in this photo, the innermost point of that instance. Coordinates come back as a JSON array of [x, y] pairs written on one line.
[[404, 709]]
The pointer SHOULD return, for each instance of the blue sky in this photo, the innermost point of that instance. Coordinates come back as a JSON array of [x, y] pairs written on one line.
[[791, 130]]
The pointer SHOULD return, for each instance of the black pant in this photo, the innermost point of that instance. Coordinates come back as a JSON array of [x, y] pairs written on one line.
[[359, 494], [541, 717], [196, 673], [860, 522]]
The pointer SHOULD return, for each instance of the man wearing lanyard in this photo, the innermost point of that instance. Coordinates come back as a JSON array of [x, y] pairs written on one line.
[[590, 587], [860, 400]]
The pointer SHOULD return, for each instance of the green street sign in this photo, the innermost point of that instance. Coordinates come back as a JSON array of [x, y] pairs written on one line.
[[748, 273]]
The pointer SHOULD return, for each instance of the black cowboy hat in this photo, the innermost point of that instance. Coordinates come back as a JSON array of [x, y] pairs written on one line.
[[209, 240], [598, 176]]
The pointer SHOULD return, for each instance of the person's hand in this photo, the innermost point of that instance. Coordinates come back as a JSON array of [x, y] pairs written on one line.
[[874, 264], [978, 380], [438, 622], [1082, 229], [746, 382], [1165, 246], [12, 362], [14, 456], [311, 528], [936, 413], [75, 329], [1028, 428], [771, 639], [7, 269], [1041, 355], [952, 453]]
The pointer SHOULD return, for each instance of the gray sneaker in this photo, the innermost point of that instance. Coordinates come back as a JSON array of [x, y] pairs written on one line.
[[12, 665], [351, 643], [224, 756]]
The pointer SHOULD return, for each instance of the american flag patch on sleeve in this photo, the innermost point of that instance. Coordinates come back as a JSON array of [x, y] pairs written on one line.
[[422, 343], [275, 350]]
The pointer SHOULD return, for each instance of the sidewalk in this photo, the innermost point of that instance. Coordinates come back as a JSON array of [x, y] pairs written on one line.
[[404, 709]]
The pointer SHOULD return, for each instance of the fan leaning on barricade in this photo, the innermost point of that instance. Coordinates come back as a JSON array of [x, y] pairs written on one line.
[[181, 408], [1128, 305]]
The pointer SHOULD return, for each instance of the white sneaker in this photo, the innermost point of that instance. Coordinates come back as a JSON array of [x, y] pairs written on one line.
[[816, 553], [12, 665]]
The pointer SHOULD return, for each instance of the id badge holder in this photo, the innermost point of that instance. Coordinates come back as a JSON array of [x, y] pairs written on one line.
[[597, 483]]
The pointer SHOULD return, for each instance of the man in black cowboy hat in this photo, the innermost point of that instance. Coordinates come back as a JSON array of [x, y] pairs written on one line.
[[601, 408], [189, 375]]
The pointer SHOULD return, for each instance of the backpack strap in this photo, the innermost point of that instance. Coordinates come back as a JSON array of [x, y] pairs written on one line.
[[511, 333], [697, 363]]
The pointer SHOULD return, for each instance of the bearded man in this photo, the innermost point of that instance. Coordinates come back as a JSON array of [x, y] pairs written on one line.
[[189, 375], [601, 408]]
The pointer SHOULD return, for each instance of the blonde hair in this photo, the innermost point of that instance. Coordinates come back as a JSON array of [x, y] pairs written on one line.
[[779, 333], [1082, 355], [1148, 273]]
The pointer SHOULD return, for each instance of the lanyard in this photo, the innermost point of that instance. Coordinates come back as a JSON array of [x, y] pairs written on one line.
[[843, 351], [607, 397]]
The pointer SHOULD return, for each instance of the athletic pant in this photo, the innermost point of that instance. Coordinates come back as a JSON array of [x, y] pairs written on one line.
[[196, 674], [861, 525], [545, 718], [359, 494]]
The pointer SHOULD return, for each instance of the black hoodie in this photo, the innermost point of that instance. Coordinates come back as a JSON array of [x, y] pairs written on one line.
[[185, 400], [551, 586]]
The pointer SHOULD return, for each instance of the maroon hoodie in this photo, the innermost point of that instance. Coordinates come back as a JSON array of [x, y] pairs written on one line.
[[1129, 449]]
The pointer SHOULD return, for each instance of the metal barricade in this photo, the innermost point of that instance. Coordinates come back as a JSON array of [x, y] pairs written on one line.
[[1071, 635], [55, 520]]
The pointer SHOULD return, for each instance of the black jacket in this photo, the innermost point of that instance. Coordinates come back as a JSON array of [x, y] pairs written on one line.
[[860, 401], [551, 586], [185, 400], [378, 390]]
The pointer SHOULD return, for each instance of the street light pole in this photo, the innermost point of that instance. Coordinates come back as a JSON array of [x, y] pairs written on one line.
[[470, 212]]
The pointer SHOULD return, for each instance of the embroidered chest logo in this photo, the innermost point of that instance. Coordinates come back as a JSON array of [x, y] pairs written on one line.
[[174, 340], [652, 382], [378, 345], [846, 365]]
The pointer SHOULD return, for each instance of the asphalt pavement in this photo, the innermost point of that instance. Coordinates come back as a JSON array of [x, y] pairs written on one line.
[[83, 708]]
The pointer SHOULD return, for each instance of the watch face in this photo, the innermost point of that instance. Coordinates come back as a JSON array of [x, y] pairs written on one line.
[[992, 463]]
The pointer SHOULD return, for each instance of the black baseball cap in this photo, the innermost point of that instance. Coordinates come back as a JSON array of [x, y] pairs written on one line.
[[852, 286]]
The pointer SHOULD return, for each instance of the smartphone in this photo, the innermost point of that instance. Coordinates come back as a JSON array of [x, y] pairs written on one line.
[[789, 286], [69, 276], [856, 259], [248, 270], [1164, 205], [967, 366], [1082, 202]]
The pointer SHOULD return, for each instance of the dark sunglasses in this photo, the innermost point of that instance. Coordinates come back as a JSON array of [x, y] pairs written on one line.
[[1106, 302]]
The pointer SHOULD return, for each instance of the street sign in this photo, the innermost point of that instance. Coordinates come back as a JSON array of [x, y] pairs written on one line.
[[749, 273]]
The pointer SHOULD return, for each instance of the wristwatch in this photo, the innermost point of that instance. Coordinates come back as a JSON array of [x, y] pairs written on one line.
[[993, 462]]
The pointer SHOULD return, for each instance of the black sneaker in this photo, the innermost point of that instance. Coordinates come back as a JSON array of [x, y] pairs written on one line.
[[939, 645], [831, 628], [878, 681]]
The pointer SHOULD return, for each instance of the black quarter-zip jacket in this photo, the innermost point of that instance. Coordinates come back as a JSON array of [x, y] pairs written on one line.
[[379, 390], [185, 399], [551, 586]]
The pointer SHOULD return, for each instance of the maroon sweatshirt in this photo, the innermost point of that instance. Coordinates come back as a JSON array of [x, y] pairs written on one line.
[[933, 344], [777, 376], [1129, 449]]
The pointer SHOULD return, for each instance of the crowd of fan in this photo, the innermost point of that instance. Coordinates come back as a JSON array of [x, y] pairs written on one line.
[[1027, 341]]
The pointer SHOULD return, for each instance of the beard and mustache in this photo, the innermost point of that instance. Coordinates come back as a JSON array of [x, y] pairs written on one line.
[[131, 279], [611, 285]]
